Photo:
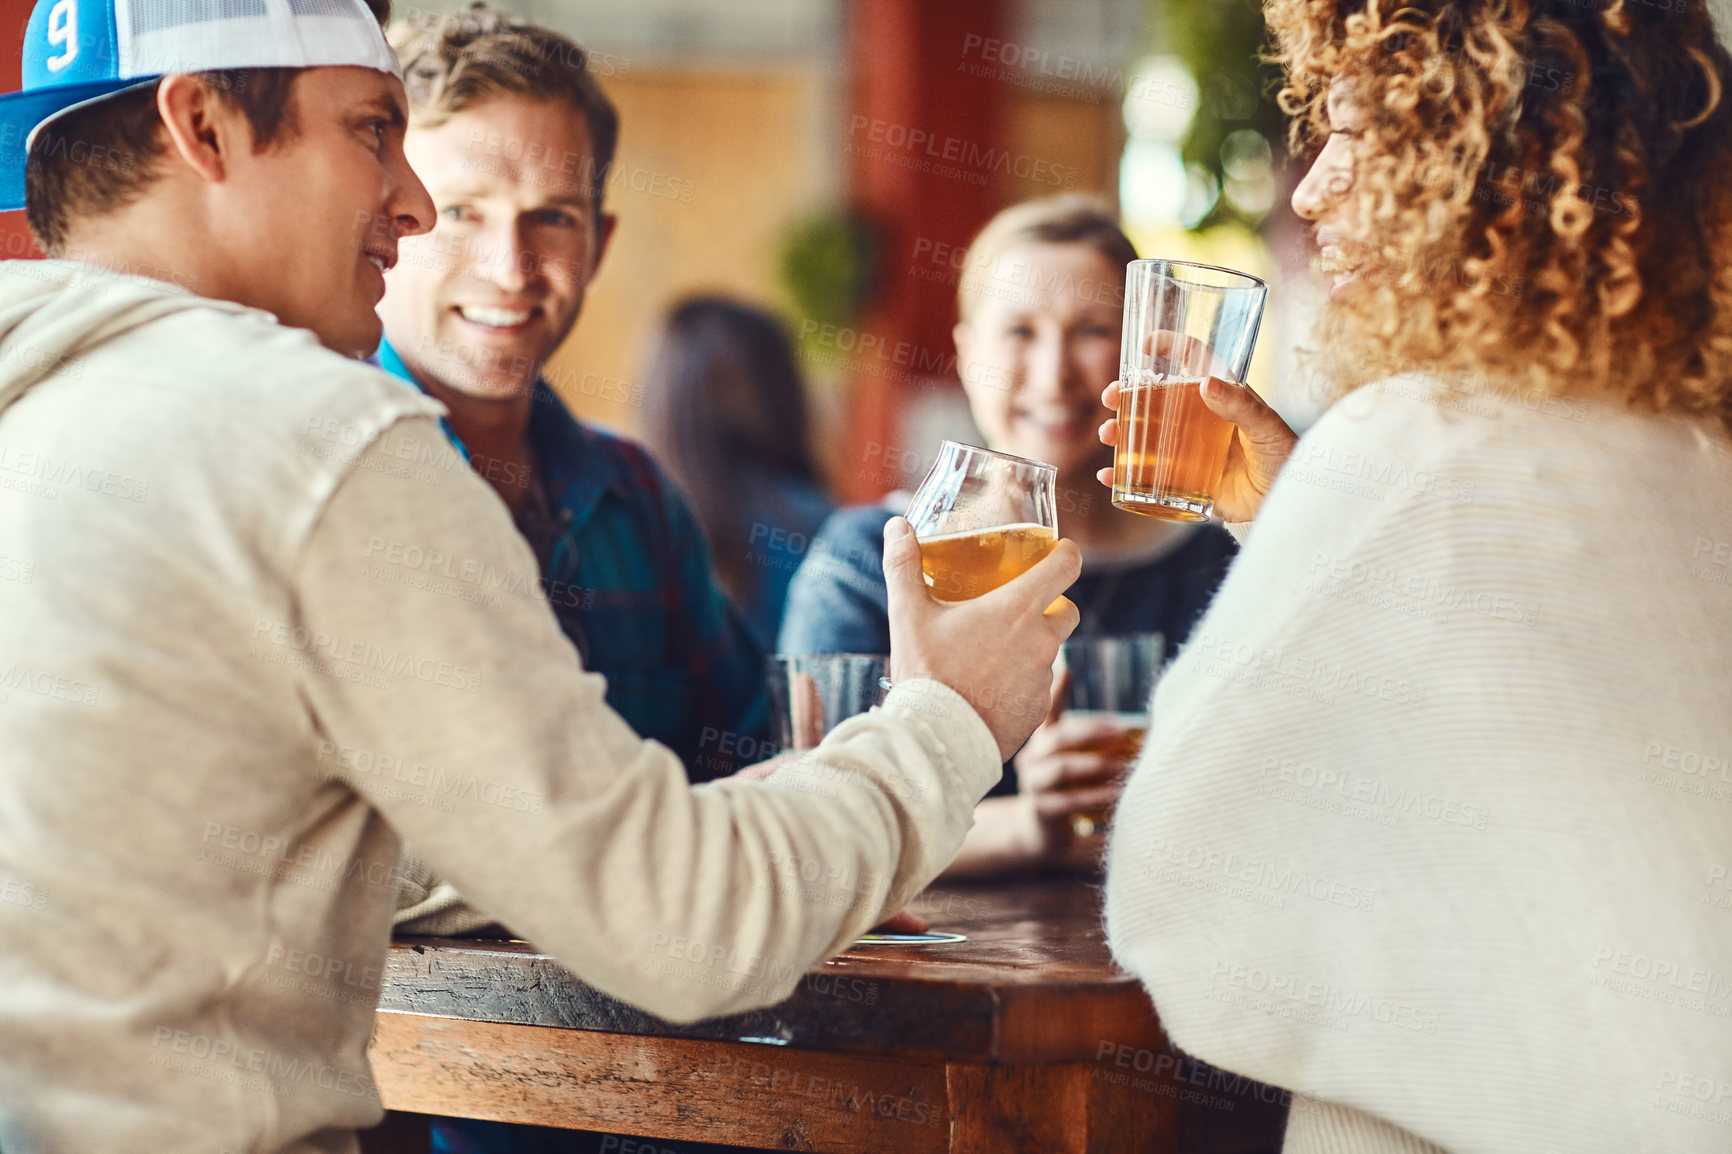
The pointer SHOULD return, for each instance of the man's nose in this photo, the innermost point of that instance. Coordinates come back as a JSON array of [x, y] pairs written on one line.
[[505, 261], [410, 206]]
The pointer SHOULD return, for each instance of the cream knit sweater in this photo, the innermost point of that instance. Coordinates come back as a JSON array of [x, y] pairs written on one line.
[[1434, 824], [257, 619]]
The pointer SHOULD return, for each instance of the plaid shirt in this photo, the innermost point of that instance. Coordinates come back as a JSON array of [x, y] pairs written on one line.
[[627, 573]]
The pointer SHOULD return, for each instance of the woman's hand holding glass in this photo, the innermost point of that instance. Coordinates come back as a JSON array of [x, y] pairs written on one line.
[[1260, 447], [1064, 773]]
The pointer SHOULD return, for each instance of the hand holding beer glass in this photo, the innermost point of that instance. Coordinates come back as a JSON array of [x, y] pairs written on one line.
[[1184, 323], [982, 519], [1107, 681]]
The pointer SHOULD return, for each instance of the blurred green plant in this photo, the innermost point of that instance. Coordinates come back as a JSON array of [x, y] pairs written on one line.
[[828, 266], [1238, 133]]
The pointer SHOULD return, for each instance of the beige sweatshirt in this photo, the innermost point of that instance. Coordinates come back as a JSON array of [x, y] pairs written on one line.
[[1434, 823], [257, 619]]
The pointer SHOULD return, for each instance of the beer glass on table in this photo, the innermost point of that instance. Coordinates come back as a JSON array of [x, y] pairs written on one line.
[[982, 518], [1183, 323], [1111, 678], [813, 693]]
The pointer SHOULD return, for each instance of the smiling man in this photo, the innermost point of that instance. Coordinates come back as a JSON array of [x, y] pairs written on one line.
[[230, 677], [515, 141]]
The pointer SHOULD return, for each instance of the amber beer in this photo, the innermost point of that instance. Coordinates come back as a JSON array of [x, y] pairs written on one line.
[[1123, 746], [1172, 449], [959, 566]]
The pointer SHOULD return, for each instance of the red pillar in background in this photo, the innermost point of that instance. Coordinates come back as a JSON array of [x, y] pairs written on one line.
[[14, 15], [922, 137]]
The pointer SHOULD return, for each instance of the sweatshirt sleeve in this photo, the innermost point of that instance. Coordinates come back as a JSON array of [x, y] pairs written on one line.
[[1319, 656], [1347, 862], [490, 750]]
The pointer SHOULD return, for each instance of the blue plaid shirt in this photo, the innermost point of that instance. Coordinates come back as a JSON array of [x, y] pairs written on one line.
[[627, 573]]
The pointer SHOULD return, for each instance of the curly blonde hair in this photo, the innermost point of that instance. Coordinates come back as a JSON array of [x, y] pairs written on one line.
[[1548, 184]]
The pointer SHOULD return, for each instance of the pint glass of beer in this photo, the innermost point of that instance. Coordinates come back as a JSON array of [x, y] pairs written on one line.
[[1111, 678], [982, 518], [1183, 323]]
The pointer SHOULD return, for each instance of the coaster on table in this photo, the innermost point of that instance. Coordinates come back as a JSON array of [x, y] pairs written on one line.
[[910, 939]]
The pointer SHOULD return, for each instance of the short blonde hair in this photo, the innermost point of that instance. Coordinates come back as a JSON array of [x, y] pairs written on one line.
[[1070, 218]]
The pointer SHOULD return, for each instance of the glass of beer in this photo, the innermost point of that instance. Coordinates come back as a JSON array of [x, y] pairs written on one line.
[[1111, 678], [813, 693], [982, 518], [1183, 323]]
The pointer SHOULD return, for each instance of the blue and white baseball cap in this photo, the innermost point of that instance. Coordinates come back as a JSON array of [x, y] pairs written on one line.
[[77, 52]]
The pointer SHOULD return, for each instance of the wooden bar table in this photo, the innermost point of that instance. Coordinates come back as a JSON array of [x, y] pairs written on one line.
[[1025, 1037]]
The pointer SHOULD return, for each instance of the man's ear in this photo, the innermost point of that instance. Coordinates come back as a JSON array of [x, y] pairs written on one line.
[[203, 131]]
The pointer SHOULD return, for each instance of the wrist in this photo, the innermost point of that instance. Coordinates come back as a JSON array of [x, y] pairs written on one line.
[[1030, 841]]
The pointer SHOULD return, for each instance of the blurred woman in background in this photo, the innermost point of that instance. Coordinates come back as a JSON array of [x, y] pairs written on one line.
[[1041, 305], [725, 413]]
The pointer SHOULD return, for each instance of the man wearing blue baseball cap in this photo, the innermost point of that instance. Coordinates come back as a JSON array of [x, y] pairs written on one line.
[[259, 622], [95, 74]]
